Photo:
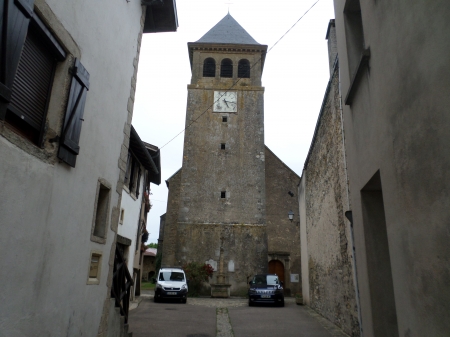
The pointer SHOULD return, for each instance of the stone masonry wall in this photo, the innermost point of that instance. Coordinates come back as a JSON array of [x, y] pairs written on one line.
[[170, 225], [283, 235], [332, 290], [244, 248]]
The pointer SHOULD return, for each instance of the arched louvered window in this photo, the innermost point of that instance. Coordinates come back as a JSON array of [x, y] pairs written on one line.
[[209, 67], [244, 69], [226, 68]]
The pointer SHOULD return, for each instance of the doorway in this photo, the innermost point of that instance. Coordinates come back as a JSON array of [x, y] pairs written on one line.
[[384, 312], [277, 267]]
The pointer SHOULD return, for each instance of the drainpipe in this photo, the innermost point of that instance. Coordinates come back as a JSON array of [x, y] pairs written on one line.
[[349, 216]]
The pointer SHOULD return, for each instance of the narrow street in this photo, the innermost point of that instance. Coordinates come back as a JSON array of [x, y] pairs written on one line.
[[207, 317]]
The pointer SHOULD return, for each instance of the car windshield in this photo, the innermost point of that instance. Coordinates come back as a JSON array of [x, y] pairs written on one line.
[[266, 279], [171, 276]]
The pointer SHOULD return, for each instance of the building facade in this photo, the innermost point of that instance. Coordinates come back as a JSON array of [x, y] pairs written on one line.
[[393, 65], [66, 102], [143, 168]]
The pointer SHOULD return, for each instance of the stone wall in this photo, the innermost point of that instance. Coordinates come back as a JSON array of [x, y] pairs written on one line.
[[283, 235], [170, 224], [332, 290], [162, 226], [148, 266], [237, 170], [244, 248]]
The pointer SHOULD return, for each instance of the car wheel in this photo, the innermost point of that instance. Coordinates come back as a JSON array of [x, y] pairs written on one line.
[[155, 299], [250, 303], [184, 300], [281, 304]]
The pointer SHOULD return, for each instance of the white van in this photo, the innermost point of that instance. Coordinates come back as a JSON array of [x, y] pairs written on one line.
[[171, 283]]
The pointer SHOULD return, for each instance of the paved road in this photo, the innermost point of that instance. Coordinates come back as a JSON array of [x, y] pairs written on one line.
[[207, 317]]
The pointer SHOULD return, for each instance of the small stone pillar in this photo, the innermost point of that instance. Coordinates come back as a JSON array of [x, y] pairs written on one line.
[[220, 289]]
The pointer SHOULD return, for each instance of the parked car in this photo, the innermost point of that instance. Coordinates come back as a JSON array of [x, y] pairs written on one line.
[[171, 283], [266, 288]]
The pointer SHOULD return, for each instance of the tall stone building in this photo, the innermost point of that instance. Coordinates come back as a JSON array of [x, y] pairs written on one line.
[[218, 206]]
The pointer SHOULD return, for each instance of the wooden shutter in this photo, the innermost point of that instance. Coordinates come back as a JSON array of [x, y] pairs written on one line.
[[127, 172], [14, 19], [70, 134], [138, 183]]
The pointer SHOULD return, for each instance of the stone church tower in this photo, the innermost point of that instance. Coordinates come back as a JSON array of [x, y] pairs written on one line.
[[217, 201]]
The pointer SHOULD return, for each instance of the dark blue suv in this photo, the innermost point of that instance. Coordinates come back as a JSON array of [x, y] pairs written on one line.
[[266, 288]]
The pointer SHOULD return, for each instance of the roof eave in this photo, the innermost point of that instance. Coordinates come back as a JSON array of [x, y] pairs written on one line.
[[161, 17], [140, 151]]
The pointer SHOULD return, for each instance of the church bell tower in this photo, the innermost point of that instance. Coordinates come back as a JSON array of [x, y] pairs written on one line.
[[222, 211]]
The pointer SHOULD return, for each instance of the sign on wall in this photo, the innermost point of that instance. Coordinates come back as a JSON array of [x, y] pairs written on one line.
[[295, 278]]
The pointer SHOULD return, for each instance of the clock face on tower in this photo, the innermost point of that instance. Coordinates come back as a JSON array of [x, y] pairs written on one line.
[[225, 101]]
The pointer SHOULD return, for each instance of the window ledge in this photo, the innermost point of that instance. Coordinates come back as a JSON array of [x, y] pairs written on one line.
[[363, 64], [93, 281], [132, 194], [98, 239]]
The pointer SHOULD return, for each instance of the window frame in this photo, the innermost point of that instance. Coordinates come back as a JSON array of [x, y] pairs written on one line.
[[19, 15], [133, 175], [226, 62], [39, 35], [208, 73], [241, 64], [96, 280], [102, 184]]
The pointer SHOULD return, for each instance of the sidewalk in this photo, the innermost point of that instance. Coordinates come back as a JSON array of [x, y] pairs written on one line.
[[138, 299]]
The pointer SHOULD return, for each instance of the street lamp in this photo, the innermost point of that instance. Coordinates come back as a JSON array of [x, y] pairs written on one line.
[[291, 215]]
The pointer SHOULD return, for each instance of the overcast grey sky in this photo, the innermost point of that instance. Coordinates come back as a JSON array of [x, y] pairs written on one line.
[[295, 78]]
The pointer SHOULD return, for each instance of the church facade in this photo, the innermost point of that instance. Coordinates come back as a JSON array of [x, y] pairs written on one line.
[[229, 201]]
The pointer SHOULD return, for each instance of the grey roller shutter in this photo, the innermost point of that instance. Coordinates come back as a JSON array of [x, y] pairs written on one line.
[[14, 19], [33, 82]]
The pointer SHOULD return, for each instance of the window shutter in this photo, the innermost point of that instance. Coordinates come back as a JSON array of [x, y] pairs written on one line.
[[127, 172], [32, 83], [70, 134], [138, 183], [14, 19]]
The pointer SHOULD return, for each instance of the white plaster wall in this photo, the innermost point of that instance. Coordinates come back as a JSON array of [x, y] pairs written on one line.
[[129, 226], [46, 210], [399, 124]]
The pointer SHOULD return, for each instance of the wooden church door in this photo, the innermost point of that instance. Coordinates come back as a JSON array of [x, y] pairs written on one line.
[[277, 267]]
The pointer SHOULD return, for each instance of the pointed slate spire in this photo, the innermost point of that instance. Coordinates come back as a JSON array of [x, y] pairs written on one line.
[[228, 31]]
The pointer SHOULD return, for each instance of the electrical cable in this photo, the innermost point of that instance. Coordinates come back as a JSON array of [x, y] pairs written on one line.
[[239, 79]]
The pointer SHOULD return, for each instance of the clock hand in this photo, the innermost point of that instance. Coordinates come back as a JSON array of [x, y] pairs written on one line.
[[226, 102]]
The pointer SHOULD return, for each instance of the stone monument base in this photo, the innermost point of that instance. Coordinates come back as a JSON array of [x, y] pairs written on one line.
[[220, 290]]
